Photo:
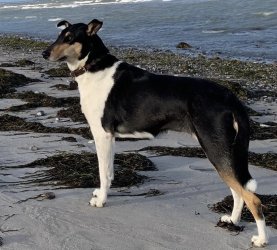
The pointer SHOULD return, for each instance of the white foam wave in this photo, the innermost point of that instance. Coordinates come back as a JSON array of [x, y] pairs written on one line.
[[54, 19], [265, 13], [30, 17], [73, 4], [212, 31]]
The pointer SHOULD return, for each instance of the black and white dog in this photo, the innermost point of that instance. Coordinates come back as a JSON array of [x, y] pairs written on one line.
[[121, 100]]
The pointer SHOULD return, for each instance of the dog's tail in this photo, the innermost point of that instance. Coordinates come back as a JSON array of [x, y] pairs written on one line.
[[241, 126]]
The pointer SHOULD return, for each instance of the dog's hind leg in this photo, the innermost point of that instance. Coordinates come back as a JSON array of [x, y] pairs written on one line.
[[104, 143], [237, 209], [226, 146], [254, 205]]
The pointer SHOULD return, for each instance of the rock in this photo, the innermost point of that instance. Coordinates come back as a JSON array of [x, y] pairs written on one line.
[[34, 148], [183, 45]]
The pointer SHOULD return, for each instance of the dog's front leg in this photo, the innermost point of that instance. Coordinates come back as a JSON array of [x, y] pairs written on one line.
[[104, 143]]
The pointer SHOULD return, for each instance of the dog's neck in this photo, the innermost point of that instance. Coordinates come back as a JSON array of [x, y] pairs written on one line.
[[91, 64], [77, 64]]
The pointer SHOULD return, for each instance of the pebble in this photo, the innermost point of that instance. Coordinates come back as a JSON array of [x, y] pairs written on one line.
[[34, 148], [40, 113]]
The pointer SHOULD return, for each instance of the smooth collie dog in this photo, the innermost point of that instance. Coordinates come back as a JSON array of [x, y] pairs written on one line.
[[121, 100]]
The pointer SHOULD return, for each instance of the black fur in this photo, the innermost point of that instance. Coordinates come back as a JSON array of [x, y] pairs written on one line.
[[145, 102]]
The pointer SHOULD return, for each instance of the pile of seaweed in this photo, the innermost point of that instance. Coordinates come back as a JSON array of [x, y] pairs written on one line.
[[19, 63], [35, 100], [269, 208], [10, 80], [14, 123], [266, 160], [81, 170], [21, 43], [61, 71], [73, 112]]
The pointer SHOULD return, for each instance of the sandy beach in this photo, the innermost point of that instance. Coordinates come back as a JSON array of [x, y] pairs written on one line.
[[166, 206]]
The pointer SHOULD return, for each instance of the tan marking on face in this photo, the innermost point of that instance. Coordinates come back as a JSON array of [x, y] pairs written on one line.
[[71, 52]]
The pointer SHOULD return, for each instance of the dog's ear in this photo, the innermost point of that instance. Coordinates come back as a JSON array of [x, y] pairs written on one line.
[[63, 24], [94, 26]]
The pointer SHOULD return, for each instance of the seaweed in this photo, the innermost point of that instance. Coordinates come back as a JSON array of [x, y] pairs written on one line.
[[269, 208], [73, 112], [61, 87], [19, 63], [266, 160], [36, 100], [81, 170], [10, 80], [21, 43], [61, 71], [14, 123]]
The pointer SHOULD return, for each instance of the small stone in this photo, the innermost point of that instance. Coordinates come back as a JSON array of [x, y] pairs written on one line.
[[40, 113], [34, 148]]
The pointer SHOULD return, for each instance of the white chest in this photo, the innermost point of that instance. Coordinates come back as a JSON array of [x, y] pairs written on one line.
[[94, 89]]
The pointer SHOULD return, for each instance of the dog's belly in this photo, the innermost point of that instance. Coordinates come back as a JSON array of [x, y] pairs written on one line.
[[145, 128]]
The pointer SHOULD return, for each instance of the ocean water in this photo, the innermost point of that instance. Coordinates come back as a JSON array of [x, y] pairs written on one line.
[[245, 29]]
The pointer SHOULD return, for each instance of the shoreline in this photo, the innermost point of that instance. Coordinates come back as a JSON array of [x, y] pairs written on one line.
[[169, 62]]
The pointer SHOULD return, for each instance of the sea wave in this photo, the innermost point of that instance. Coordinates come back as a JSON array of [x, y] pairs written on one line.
[[265, 13], [30, 17], [54, 19], [213, 31], [73, 4]]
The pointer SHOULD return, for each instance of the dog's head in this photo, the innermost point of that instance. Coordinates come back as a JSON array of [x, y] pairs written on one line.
[[75, 41]]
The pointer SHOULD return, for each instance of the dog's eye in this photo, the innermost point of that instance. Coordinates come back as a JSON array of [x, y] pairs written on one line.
[[68, 38]]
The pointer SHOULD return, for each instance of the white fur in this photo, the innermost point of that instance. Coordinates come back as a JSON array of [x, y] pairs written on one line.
[[73, 65], [236, 212], [140, 135], [251, 185], [94, 89], [261, 239], [194, 136], [235, 125]]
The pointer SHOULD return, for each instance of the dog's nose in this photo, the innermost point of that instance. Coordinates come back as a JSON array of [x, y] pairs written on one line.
[[46, 54]]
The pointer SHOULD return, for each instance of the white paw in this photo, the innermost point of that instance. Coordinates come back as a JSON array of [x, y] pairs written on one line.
[[226, 218], [259, 241], [99, 198], [97, 202]]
